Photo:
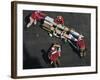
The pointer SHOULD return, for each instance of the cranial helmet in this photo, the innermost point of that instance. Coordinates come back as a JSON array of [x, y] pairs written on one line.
[[59, 17], [59, 20]]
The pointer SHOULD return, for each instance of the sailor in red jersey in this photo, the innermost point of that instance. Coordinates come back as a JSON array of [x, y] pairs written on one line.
[[59, 20], [35, 16], [55, 53], [78, 38], [81, 43]]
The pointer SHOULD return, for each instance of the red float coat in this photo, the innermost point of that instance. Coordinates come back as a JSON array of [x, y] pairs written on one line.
[[54, 57], [81, 44], [37, 15]]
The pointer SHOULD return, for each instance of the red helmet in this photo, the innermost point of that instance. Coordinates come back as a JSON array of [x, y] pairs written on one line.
[[59, 17], [37, 12], [59, 20]]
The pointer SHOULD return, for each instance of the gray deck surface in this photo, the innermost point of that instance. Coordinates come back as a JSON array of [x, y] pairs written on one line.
[[36, 42]]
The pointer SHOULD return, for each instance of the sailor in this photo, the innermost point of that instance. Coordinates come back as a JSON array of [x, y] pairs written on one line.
[[55, 53], [35, 16], [59, 20]]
